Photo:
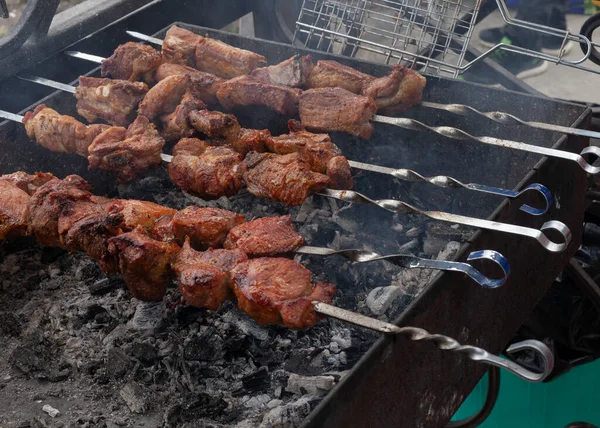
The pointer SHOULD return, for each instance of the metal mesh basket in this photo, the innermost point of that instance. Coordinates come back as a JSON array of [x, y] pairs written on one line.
[[430, 35], [391, 31]]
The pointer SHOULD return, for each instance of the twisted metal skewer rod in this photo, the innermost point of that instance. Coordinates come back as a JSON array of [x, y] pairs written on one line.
[[412, 262], [447, 343], [461, 109], [400, 207], [403, 174]]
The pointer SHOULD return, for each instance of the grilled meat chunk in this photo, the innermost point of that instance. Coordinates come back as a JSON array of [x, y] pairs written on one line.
[[28, 183], [165, 96], [215, 124], [284, 178], [113, 101], [206, 227], [163, 229], [246, 91], [397, 92], [144, 263], [13, 222], [132, 61], [223, 60], [279, 291], [250, 140], [332, 74], [45, 206], [190, 147], [203, 85], [204, 278], [264, 237], [127, 151], [135, 213], [177, 125], [336, 109], [179, 46], [60, 133], [339, 173], [213, 174], [293, 72]]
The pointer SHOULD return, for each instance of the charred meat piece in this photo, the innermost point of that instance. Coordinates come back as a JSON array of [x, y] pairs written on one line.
[[251, 140], [190, 147], [13, 222], [144, 263], [203, 85], [246, 91], [132, 61], [113, 101], [332, 74], [28, 183], [213, 174], [206, 227], [397, 92], [264, 237], [204, 278], [165, 96], [177, 125], [339, 173], [293, 72], [279, 291], [45, 206], [179, 46], [60, 133], [226, 61], [127, 151], [215, 124], [163, 229], [284, 178], [336, 109], [135, 213]]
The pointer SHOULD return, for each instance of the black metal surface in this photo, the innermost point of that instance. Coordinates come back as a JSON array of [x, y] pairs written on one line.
[[587, 29], [398, 383]]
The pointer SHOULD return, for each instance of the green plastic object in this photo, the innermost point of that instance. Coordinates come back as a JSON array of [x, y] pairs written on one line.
[[572, 397]]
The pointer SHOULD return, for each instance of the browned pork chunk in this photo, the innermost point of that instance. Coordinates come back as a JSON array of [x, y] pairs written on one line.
[[226, 61], [336, 109], [397, 92], [179, 46], [250, 140], [127, 151], [284, 178], [111, 100], [204, 278], [246, 91], [293, 72], [136, 214], [206, 227], [263, 237], [203, 85], [28, 183], [60, 133], [215, 124], [177, 125], [279, 291], [213, 174], [13, 221], [144, 263], [332, 74], [190, 147], [132, 61], [165, 96]]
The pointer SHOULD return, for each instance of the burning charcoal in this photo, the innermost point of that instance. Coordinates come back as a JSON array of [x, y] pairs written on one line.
[[105, 286], [206, 346], [148, 316], [195, 406], [246, 324], [92, 311], [59, 375], [10, 325], [34, 355], [134, 397], [52, 254], [144, 352], [438, 235], [290, 415], [381, 298], [260, 380], [117, 363], [50, 410], [313, 385]]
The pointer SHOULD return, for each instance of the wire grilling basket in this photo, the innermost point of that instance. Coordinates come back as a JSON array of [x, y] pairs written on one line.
[[430, 35]]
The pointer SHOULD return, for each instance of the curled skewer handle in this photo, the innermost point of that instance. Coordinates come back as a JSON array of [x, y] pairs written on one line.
[[459, 134], [400, 207], [447, 343], [412, 262], [449, 182]]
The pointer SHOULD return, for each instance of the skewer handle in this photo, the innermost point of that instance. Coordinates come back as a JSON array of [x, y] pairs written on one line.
[[412, 262], [400, 207], [446, 343]]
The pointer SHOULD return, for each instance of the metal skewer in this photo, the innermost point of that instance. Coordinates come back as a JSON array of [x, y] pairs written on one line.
[[447, 343], [412, 262], [460, 109], [403, 174]]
